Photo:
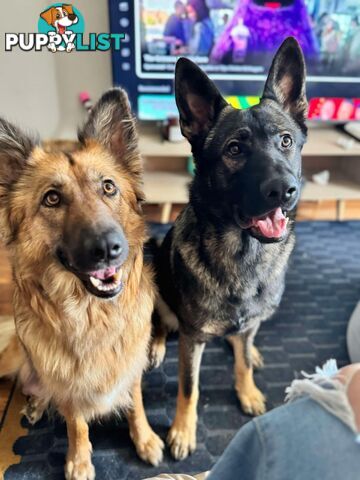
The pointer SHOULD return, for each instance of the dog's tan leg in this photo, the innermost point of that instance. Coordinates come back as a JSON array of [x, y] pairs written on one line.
[[148, 445], [164, 321], [78, 459], [251, 399], [182, 435], [158, 342], [157, 350]]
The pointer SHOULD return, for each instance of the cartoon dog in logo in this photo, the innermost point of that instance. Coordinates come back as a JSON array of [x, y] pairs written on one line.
[[61, 18]]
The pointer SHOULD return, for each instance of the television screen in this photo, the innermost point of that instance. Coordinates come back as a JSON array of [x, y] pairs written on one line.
[[234, 42]]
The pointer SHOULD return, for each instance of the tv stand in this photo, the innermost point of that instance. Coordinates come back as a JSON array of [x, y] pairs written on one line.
[[167, 179]]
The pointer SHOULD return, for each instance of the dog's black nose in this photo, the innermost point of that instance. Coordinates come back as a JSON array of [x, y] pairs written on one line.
[[72, 16], [104, 247], [279, 191]]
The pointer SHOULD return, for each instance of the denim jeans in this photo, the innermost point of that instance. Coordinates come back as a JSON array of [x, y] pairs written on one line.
[[297, 441], [316, 436]]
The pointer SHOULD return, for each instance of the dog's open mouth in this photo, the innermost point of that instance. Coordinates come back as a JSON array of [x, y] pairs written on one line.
[[104, 283], [107, 280], [272, 226]]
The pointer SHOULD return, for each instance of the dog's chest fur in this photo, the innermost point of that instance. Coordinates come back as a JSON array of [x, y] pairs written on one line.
[[85, 351], [224, 281]]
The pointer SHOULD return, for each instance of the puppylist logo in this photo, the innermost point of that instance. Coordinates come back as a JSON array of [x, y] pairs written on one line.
[[61, 28]]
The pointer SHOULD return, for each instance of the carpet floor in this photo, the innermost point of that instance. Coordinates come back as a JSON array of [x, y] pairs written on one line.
[[323, 287]]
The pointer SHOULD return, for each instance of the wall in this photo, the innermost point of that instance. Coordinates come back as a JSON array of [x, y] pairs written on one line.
[[39, 90]]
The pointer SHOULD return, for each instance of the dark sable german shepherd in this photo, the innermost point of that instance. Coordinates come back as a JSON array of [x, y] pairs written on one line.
[[221, 267]]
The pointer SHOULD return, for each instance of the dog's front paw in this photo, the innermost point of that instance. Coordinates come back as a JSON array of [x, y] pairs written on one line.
[[182, 440], [34, 409], [150, 449], [79, 469], [157, 352], [252, 401], [70, 47], [52, 47]]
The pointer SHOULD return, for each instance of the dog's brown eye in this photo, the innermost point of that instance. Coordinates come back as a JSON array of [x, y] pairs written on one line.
[[52, 199], [234, 148], [109, 188], [58, 16], [65, 13], [286, 141]]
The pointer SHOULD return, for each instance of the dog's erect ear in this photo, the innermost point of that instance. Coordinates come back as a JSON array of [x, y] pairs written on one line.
[[112, 124], [48, 15], [15, 149], [286, 80], [197, 98]]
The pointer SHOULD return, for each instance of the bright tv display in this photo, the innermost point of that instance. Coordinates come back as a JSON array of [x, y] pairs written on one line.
[[234, 42]]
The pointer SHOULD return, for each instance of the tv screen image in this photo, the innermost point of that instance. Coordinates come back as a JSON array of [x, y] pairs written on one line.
[[234, 42]]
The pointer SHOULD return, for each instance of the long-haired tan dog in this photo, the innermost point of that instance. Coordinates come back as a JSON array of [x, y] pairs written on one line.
[[83, 297]]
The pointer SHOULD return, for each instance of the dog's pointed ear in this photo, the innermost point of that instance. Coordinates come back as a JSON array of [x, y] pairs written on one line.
[[286, 80], [198, 100], [15, 149], [47, 15], [112, 124]]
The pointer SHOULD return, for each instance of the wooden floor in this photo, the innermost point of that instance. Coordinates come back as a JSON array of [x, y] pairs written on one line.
[[5, 390], [5, 309]]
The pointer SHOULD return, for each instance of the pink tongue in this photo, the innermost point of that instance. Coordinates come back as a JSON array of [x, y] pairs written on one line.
[[103, 274], [273, 226]]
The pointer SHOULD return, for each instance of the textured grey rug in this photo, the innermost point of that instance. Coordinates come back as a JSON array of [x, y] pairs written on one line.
[[323, 286]]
